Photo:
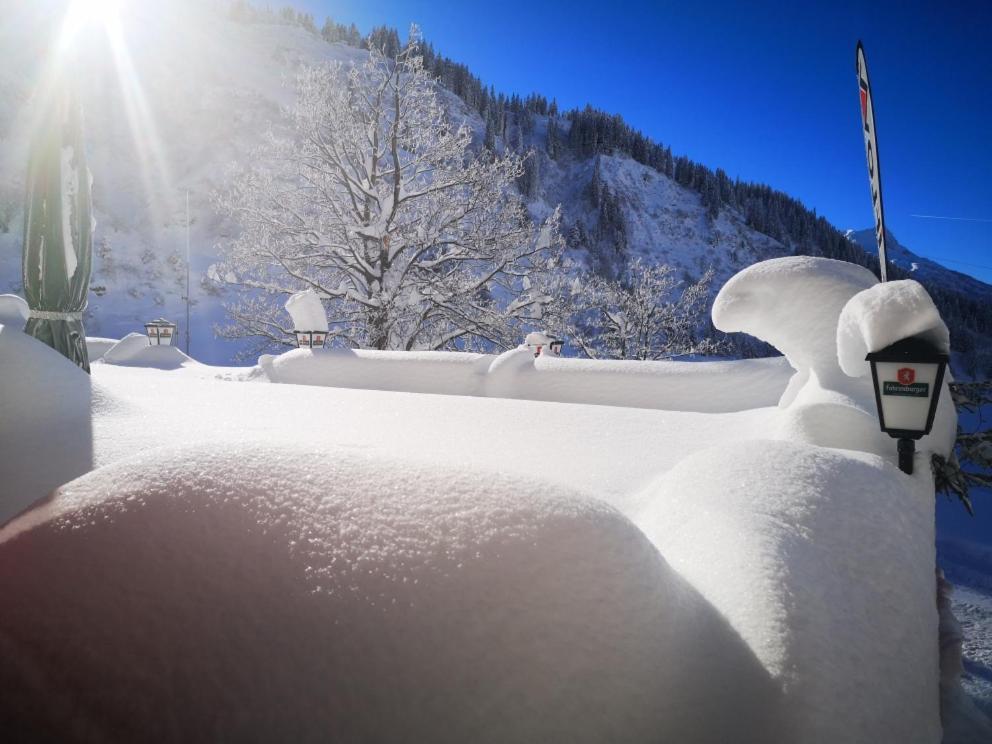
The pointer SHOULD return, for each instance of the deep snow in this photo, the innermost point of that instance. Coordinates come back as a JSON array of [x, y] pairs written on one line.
[[351, 597], [266, 557]]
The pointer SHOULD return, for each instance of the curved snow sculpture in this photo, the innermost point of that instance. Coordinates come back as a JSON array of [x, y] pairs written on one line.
[[794, 304]]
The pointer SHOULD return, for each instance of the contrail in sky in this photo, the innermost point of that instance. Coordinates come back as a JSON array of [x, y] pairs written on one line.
[[957, 219]]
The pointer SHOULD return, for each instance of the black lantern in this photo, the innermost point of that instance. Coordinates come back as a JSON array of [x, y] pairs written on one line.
[[537, 341], [160, 332], [310, 339], [907, 376]]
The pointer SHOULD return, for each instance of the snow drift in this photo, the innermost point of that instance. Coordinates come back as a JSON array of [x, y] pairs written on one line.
[[46, 434], [97, 346], [134, 351], [444, 373], [286, 594], [823, 561]]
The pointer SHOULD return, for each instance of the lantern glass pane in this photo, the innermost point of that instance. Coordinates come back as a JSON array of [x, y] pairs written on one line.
[[905, 390]]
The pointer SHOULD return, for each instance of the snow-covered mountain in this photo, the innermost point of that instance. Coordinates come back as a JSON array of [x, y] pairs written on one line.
[[192, 90], [922, 269]]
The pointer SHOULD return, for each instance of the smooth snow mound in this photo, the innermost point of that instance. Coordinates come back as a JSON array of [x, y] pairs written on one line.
[[96, 346], [441, 372], [881, 315], [285, 594], [46, 434], [134, 351], [14, 311], [823, 561]]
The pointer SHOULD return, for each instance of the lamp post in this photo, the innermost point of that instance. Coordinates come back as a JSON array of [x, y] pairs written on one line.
[[160, 332], [907, 377], [310, 339], [537, 341]]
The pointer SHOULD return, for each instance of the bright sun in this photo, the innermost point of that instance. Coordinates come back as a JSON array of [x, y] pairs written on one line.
[[84, 13]]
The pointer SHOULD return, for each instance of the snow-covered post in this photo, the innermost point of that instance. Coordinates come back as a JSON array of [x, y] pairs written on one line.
[[309, 319]]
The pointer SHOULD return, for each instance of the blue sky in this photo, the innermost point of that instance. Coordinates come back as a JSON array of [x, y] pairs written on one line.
[[766, 91]]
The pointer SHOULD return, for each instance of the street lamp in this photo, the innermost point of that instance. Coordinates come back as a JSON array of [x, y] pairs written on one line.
[[310, 339], [160, 332], [907, 376], [536, 341]]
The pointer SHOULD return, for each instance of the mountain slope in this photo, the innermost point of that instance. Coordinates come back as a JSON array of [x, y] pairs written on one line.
[[203, 88], [965, 302]]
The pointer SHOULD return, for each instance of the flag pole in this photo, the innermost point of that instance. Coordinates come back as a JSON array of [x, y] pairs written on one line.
[[871, 154], [187, 272]]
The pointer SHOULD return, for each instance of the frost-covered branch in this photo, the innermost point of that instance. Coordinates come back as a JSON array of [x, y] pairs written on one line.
[[373, 199], [645, 314]]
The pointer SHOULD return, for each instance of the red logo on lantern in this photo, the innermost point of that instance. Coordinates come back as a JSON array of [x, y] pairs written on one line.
[[906, 376]]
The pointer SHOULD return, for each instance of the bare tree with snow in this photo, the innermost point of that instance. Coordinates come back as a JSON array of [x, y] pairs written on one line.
[[375, 201], [647, 313]]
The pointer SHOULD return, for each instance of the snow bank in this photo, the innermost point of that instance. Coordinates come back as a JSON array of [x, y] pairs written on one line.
[[307, 311], [13, 311], [881, 315], [96, 346], [134, 351], [288, 594], [708, 387], [685, 386], [823, 561], [446, 373], [45, 428]]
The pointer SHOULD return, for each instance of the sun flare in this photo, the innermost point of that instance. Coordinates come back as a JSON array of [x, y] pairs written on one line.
[[87, 14]]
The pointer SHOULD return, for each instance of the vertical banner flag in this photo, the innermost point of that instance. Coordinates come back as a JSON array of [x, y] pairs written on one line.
[[871, 153]]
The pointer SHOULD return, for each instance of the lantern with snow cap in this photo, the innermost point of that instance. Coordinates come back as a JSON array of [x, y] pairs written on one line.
[[537, 342], [907, 376], [160, 332], [310, 339]]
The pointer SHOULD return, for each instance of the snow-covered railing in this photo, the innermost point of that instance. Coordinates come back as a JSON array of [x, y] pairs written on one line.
[[708, 387]]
